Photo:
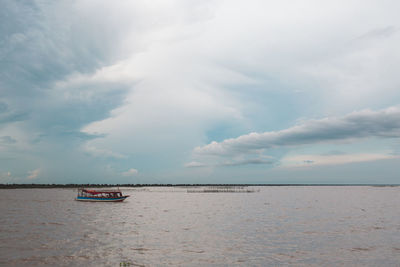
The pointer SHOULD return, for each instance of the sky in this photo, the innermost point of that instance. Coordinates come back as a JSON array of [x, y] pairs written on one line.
[[208, 91]]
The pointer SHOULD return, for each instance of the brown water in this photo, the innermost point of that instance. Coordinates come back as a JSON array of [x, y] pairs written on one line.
[[301, 226]]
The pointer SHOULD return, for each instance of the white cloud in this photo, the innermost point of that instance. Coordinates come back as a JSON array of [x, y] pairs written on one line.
[[195, 164], [354, 126], [97, 152], [255, 161], [130, 172], [180, 85], [323, 160], [33, 174], [233, 162]]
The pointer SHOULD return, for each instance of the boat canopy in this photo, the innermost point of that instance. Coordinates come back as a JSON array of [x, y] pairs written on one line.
[[96, 192]]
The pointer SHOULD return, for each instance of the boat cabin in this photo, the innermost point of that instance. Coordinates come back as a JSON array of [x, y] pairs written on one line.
[[99, 193]]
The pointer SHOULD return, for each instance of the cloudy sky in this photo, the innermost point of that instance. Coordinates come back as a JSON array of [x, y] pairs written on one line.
[[207, 91]]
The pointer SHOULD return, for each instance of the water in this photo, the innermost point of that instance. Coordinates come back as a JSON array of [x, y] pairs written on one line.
[[301, 226]]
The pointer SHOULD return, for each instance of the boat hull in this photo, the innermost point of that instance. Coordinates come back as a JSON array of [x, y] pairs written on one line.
[[101, 199]]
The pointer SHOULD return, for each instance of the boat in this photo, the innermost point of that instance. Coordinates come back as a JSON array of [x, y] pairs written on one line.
[[109, 195]]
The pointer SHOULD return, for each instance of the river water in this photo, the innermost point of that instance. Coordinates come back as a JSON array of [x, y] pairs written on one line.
[[300, 226]]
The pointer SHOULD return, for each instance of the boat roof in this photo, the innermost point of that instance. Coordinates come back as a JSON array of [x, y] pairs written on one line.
[[100, 191]]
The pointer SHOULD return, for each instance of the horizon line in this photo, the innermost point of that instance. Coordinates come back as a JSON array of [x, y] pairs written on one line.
[[73, 185]]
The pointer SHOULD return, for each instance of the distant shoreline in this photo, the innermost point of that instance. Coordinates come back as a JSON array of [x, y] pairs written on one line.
[[32, 186]]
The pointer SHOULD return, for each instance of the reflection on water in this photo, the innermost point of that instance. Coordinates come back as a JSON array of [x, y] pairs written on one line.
[[278, 225]]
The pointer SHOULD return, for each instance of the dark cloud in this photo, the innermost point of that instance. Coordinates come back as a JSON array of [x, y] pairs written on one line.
[[58, 116], [13, 117], [43, 43], [8, 116], [7, 140], [67, 136], [3, 107]]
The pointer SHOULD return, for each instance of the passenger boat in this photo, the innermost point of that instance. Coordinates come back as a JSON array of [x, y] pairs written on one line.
[[109, 195]]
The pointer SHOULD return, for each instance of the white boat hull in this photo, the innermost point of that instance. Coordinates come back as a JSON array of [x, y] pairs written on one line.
[[101, 199]]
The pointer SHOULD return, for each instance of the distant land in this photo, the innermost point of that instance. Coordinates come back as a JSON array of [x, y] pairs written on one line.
[[16, 186]]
